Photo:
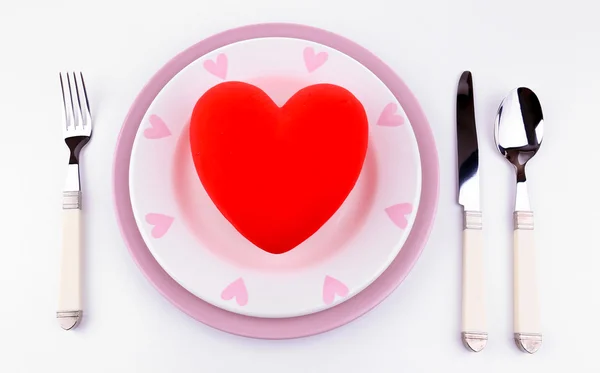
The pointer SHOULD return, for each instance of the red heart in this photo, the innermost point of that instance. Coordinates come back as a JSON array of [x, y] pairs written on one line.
[[278, 174]]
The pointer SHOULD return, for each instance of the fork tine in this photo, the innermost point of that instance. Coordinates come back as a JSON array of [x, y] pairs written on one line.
[[76, 106], [73, 120], [87, 114], [77, 110], [67, 102], [62, 90]]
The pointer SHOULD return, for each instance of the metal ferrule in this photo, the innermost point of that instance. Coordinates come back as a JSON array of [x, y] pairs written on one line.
[[71, 200], [72, 191], [523, 220], [473, 220]]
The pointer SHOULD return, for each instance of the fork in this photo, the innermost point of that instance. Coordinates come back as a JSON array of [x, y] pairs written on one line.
[[77, 131]]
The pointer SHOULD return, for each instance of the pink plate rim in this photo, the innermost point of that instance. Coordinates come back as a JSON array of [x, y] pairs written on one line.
[[293, 327]]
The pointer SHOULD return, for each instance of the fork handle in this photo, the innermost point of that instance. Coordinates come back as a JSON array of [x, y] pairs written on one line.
[[69, 302]]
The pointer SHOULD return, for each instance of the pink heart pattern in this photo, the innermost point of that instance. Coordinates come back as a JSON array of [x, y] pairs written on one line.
[[158, 129], [161, 224], [314, 60], [333, 287], [218, 67], [237, 290], [389, 118], [397, 214]]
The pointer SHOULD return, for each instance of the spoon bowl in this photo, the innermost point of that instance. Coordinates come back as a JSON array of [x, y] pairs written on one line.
[[519, 128]]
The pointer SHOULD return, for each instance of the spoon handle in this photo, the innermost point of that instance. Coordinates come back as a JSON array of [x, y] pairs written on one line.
[[474, 331], [527, 326]]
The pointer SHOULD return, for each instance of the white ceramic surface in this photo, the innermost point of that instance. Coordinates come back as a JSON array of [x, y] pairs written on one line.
[[200, 249]]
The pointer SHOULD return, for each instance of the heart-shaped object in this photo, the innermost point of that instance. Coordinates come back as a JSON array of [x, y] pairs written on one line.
[[278, 174], [333, 287]]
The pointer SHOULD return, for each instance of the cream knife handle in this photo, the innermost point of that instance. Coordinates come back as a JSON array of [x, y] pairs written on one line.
[[69, 311], [474, 331], [527, 326]]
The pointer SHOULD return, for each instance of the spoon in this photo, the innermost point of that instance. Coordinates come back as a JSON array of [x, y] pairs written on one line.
[[519, 129]]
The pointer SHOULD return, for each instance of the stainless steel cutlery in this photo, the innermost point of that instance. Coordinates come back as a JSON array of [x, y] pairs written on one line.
[[77, 131], [474, 332], [519, 130]]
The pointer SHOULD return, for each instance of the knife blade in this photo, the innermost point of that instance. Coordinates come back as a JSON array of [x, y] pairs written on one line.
[[468, 148], [474, 333]]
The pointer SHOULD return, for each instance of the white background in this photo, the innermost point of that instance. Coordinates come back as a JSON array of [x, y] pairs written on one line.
[[552, 47]]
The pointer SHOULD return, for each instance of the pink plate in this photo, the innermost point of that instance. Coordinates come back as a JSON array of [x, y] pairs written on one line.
[[201, 250], [290, 327]]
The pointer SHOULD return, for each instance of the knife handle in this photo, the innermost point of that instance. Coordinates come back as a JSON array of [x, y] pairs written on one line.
[[527, 326], [474, 331]]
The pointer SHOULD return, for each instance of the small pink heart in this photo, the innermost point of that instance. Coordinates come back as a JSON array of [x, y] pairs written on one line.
[[314, 61], [333, 287], [389, 118], [218, 67], [237, 290], [397, 214], [161, 224], [158, 129]]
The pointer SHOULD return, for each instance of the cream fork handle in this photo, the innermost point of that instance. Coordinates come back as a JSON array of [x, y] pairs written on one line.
[[527, 326], [474, 331], [69, 302]]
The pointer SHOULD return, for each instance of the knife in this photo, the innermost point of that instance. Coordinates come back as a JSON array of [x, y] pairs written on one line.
[[474, 332]]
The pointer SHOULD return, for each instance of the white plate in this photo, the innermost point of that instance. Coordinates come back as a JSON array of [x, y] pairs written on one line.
[[202, 251]]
